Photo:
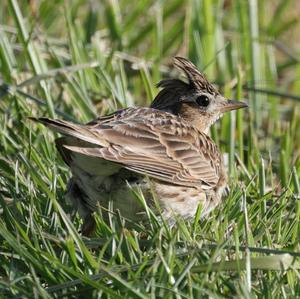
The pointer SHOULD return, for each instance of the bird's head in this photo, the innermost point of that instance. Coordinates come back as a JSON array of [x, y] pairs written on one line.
[[197, 101]]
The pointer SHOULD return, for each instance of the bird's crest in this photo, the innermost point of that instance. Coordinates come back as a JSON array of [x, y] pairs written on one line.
[[196, 79], [168, 98]]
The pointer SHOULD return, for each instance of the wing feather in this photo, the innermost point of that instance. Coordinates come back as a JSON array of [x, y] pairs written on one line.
[[148, 141]]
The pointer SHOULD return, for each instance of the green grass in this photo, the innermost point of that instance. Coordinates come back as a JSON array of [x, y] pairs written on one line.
[[76, 59]]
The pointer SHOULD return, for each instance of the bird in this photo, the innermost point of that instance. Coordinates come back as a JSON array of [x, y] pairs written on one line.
[[164, 151]]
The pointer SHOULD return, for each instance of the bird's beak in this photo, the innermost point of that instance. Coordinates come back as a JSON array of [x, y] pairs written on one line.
[[233, 105]]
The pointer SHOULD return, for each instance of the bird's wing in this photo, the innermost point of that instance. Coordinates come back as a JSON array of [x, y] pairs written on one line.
[[149, 141]]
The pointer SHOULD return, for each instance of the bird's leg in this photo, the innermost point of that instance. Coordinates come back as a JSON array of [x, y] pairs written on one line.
[[77, 198]]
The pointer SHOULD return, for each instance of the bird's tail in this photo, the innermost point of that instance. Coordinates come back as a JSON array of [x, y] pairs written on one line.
[[77, 138], [82, 132]]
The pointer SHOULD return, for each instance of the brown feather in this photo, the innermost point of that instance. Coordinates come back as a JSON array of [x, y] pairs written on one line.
[[150, 143]]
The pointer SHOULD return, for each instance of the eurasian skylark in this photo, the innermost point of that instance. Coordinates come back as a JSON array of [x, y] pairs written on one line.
[[164, 148]]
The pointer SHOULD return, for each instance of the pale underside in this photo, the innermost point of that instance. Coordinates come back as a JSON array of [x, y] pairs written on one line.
[[109, 193]]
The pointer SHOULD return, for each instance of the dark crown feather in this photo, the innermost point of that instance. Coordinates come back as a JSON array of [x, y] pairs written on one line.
[[168, 98]]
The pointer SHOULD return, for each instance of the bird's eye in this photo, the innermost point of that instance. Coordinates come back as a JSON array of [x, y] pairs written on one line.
[[202, 101]]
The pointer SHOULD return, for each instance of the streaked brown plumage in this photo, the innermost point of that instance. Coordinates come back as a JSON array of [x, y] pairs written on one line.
[[167, 142]]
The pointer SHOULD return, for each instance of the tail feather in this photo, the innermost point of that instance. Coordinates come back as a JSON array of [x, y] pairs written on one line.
[[79, 136], [70, 129]]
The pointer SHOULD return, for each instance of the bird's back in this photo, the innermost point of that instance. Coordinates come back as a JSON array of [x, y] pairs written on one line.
[[144, 140]]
